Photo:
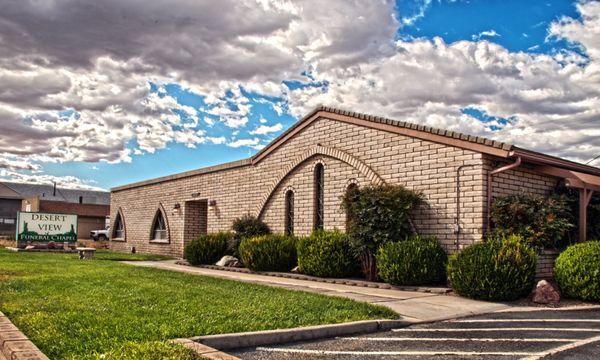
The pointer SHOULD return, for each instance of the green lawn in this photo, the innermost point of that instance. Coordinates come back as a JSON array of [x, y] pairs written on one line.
[[105, 309]]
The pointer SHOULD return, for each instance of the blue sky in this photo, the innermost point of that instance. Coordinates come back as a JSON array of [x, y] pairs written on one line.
[[215, 110]]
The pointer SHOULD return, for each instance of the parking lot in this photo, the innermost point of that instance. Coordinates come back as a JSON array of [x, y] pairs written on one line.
[[548, 334]]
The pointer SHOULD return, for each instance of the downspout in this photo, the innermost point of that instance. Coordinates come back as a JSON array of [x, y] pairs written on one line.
[[491, 173], [457, 229]]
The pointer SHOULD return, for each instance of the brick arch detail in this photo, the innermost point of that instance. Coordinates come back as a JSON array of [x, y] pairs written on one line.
[[334, 153]]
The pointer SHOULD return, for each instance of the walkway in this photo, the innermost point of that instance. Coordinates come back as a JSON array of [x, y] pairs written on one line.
[[411, 305]]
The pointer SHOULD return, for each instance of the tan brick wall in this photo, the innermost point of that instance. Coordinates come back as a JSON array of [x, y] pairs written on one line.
[[545, 264], [417, 164]]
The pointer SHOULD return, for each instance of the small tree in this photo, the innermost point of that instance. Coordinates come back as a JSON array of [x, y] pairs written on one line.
[[244, 227], [377, 215], [542, 222]]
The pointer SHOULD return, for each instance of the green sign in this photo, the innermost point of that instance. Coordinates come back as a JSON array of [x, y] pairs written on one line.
[[46, 227]]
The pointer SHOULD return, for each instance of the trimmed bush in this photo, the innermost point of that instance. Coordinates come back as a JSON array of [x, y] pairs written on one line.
[[250, 226], [500, 269], [246, 226], [326, 254], [415, 261], [207, 249], [577, 271], [268, 253]]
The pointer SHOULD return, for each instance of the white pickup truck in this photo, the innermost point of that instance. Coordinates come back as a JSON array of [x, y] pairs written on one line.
[[100, 235]]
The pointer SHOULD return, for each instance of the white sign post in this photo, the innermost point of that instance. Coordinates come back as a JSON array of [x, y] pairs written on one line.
[[46, 227]]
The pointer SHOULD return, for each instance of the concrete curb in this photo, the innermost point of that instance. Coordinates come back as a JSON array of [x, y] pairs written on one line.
[[351, 282], [281, 336], [205, 352], [14, 345]]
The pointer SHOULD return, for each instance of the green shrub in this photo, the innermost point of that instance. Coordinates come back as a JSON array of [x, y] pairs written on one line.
[[500, 269], [245, 227], [542, 222], [268, 253], [377, 215], [326, 254], [577, 271], [415, 261], [250, 226], [207, 249]]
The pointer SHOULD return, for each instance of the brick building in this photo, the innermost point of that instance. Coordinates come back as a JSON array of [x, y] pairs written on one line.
[[295, 183]]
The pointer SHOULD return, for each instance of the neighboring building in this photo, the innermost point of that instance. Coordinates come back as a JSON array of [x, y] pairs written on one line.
[[296, 182], [92, 207]]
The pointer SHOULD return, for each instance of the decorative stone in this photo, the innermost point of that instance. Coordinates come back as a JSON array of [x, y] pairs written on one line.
[[229, 261], [546, 293], [295, 270]]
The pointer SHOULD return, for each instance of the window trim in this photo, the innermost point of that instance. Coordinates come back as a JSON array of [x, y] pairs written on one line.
[[319, 196], [167, 239], [289, 199], [114, 227]]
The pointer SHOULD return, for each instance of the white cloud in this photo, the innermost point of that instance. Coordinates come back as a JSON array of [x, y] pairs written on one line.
[[67, 182], [244, 142], [217, 140], [485, 34], [265, 129], [75, 83]]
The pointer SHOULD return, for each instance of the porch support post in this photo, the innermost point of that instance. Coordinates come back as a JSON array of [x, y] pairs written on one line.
[[585, 196]]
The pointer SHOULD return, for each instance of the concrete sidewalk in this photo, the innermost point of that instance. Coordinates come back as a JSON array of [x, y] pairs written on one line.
[[411, 305]]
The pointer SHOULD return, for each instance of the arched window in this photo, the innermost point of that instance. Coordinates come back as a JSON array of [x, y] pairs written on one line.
[[119, 228], [159, 229], [351, 187], [319, 196], [289, 212]]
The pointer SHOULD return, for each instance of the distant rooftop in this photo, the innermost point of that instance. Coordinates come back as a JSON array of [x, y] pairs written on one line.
[[46, 192]]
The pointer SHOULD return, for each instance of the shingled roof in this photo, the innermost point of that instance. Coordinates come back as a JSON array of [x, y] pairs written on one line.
[[453, 138], [46, 192], [403, 124]]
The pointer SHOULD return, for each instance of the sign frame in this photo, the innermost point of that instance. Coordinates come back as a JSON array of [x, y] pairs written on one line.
[[70, 236]]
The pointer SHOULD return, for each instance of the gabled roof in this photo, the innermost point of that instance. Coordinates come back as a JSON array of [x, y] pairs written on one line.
[[448, 137], [451, 138], [46, 192]]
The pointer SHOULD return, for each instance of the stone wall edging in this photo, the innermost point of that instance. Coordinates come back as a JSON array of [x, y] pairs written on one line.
[[14, 345], [350, 282]]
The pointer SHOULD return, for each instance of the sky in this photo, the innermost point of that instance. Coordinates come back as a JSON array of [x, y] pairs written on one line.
[[100, 93]]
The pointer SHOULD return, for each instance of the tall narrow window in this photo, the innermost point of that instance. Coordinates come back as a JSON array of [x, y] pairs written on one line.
[[319, 196], [119, 230], [159, 230], [289, 212], [349, 190]]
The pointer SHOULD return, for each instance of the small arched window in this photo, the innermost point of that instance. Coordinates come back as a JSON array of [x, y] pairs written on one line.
[[119, 228], [351, 188], [159, 229], [289, 212], [319, 196]]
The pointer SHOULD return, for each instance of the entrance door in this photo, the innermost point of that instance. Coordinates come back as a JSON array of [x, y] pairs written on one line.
[[195, 222]]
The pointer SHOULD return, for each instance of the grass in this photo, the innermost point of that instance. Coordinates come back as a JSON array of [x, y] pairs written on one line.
[[73, 309]]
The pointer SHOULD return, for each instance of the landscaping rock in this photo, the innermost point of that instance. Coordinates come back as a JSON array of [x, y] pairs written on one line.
[[229, 261], [546, 293]]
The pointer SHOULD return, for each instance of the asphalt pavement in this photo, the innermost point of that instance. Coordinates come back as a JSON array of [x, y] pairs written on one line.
[[532, 334]]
